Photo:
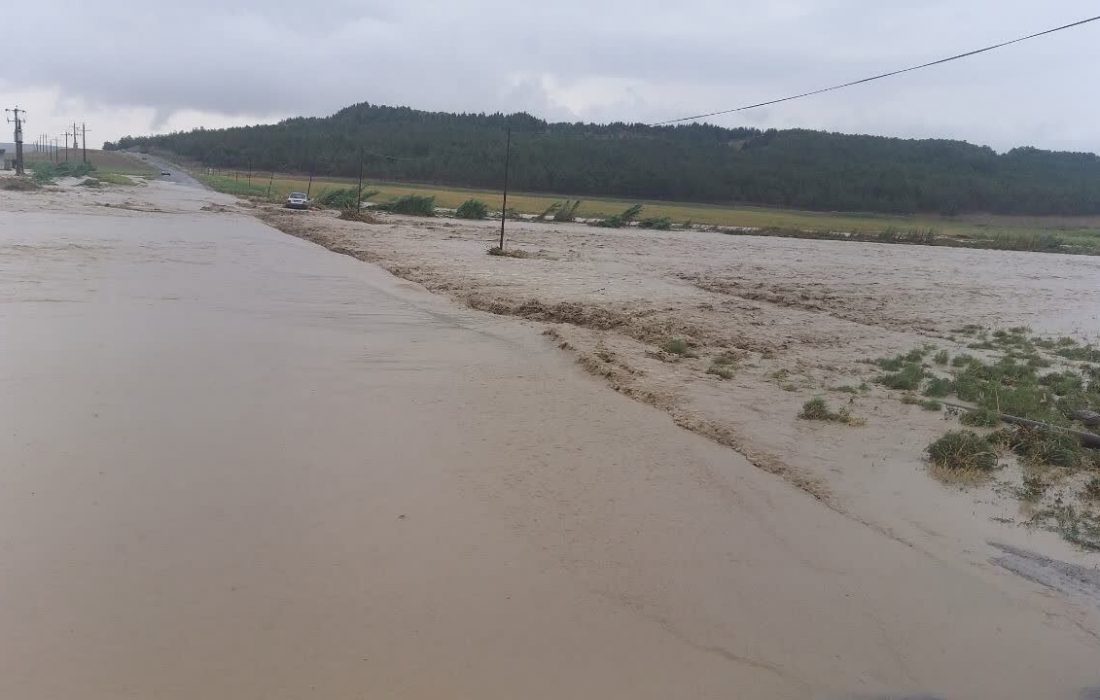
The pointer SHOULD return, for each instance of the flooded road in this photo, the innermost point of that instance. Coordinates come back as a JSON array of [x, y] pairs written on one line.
[[235, 465]]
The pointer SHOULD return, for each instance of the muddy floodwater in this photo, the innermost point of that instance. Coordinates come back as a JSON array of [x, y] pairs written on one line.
[[235, 465]]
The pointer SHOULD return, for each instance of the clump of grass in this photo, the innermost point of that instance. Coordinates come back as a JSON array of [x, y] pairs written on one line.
[[963, 360], [721, 371], [472, 209], [908, 378], [508, 252], [981, 418], [677, 346], [723, 365], [114, 179], [567, 211], [962, 450], [1062, 383], [926, 404], [939, 387], [1050, 448], [941, 357], [90, 182], [818, 409], [1033, 489]]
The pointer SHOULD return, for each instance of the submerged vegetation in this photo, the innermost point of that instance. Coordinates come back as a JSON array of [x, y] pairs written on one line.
[[1053, 384], [818, 408]]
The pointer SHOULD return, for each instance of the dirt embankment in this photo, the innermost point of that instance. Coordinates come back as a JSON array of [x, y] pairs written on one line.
[[731, 335]]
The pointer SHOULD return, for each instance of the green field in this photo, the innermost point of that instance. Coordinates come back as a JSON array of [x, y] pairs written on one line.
[[1069, 234], [107, 162]]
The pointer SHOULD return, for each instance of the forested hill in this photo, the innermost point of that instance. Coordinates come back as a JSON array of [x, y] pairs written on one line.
[[793, 168]]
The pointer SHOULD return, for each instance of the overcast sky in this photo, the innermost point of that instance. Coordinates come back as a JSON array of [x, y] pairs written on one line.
[[129, 67]]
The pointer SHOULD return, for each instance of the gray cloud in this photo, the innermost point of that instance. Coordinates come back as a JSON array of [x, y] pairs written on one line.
[[612, 60]]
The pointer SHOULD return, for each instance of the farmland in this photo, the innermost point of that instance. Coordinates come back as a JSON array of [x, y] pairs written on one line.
[[1074, 233]]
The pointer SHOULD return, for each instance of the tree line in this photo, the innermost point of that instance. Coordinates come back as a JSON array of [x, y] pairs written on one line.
[[697, 162]]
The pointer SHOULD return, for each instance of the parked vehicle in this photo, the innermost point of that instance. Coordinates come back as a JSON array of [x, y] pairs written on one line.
[[297, 200]]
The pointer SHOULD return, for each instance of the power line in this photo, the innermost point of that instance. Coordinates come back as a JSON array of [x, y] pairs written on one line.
[[880, 76]]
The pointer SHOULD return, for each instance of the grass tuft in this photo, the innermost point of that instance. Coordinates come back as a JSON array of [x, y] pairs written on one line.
[[962, 450], [818, 409]]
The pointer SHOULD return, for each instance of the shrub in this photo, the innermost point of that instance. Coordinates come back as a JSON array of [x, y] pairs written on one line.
[[410, 205], [941, 357], [658, 223], [1048, 447], [818, 409], [620, 220], [962, 450], [472, 209], [938, 387], [346, 198], [907, 378], [567, 211], [1062, 383], [926, 404]]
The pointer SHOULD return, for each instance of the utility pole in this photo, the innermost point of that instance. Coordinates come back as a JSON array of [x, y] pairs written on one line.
[[84, 140], [359, 196], [504, 206], [309, 185], [18, 136], [250, 172], [66, 136]]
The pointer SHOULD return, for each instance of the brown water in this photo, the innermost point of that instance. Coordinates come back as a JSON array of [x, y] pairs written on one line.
[[236, 466]]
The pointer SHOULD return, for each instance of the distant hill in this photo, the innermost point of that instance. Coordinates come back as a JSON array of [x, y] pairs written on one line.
[[700, 163]]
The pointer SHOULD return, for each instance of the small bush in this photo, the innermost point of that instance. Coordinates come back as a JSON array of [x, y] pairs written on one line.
[[658, 223], [1053, 448], [410, 205], [472, 209], [962, 450], [963, 360], [620, 220], [1062, 383], [938, 387], [941, 357], [346, 198], [818, 409], [567, 211], [908, 378], [926, 404]]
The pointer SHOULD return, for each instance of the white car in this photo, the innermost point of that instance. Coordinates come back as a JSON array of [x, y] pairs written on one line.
[[297, 200]]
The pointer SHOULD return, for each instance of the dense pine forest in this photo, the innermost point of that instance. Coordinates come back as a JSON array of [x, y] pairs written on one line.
[[699, 163]]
